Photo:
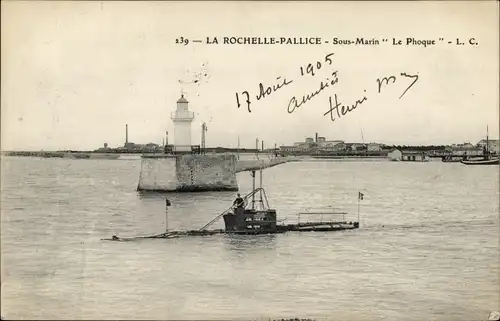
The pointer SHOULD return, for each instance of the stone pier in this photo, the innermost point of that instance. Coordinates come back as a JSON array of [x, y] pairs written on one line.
[[188, 173], [257, 164], [196, 172]]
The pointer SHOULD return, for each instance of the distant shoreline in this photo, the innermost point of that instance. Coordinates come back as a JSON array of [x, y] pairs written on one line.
[[430, 151], [116, 155]]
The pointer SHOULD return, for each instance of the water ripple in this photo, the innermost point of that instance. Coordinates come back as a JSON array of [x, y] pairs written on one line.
[[427, 248]]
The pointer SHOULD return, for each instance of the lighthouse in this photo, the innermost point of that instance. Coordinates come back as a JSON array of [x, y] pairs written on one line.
[[185, 171], [182, 119]]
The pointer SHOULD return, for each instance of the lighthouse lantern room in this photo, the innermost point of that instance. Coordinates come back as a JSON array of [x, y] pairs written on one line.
[[182, 119]]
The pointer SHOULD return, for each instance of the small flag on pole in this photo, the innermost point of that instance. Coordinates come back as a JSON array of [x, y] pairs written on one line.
[[360, 195]]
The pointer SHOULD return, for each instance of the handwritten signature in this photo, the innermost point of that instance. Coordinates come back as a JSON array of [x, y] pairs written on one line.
[[342, 110], [393, 78]]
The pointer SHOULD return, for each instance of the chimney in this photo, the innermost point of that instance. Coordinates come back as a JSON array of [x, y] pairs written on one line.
[[126, 133], [316, 138]]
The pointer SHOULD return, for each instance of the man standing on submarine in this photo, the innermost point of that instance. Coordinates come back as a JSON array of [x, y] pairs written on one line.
[[239, 202]]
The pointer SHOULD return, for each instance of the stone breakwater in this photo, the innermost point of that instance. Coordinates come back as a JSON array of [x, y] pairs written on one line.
[[71, 155], [188, 173], [255, 165], [35, 154], [196, 173]]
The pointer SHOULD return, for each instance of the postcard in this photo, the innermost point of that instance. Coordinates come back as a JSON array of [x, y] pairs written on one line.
[[250, 160]]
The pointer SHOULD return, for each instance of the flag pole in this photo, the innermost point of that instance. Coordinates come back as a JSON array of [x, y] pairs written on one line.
[[166, 219], [167, 204], [358, 205]]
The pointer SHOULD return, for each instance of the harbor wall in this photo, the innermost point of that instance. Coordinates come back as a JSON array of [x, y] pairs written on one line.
[[157, 174], [188, 173], [252, 164]]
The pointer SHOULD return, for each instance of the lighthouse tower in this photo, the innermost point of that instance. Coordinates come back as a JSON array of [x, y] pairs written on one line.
[[182, 119]]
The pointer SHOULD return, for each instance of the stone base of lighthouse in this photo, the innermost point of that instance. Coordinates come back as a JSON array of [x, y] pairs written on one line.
[[188, 173]]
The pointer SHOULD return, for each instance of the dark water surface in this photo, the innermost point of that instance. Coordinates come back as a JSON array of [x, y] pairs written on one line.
[[427, 248]]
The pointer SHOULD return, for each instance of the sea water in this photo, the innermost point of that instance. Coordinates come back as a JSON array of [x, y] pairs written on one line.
[[427, 247]]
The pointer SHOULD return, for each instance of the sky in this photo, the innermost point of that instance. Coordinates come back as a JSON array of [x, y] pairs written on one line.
[[74, 73]]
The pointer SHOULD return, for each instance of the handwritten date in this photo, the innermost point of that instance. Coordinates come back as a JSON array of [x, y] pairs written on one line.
[[265, 91], [310, 67]]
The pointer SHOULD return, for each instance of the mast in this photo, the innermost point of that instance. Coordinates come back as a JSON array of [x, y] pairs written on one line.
[[204, 129], [167, 204], [486, 149], [238, 150], [253, 189], [358, 206], [257, 147], [261, 202]]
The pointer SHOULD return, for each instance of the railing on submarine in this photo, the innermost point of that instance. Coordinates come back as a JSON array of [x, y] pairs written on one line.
[[320, 211], [245, 198]]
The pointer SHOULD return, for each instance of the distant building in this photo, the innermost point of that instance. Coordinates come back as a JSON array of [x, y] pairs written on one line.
[[339, 146], [395, 155], [289, 149], [373, 147], [328, 144], [104, 149], [469, 151], [464, 145], [151, 148], [493, 145], [414, 156], [130, 146], [465, 149], [439, 153], [321, 140], [356, 147], [143, 148], [304, 147]]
